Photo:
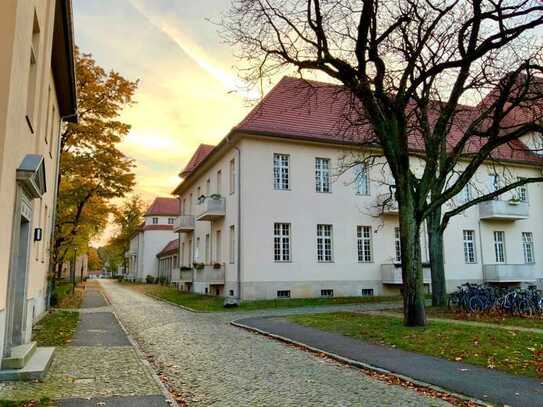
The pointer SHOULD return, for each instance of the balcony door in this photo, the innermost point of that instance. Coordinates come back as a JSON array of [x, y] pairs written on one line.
[[499, 246]]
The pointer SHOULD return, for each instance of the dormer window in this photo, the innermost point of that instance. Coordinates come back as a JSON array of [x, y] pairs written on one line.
[[155, 221], [171, 221]]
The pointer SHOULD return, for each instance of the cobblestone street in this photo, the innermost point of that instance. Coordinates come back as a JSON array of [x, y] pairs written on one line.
[[213, 363]]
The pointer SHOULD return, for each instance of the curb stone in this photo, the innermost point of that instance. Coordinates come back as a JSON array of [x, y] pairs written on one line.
[[354, 363]]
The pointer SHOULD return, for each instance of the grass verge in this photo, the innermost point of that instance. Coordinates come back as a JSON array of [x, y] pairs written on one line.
[[519, 353], [214, 304], [56, 328], [64, 298], [535, 321], [45, 402]]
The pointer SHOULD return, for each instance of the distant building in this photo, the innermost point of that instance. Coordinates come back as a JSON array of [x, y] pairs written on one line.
[[80, 269], [268, 213], [168, 268], [150, 238], [37, 94]]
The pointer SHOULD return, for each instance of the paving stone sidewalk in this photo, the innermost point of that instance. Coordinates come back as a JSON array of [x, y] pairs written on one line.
[[210, 362], [474, 381], [100, 367]]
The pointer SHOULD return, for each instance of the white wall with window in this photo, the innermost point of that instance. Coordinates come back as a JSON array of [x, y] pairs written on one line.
[[470, 253], [322, 174], [281, 171], [364, 244], [281, 241]]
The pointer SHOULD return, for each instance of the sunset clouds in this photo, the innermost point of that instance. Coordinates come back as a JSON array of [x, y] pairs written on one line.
[[188, 94]]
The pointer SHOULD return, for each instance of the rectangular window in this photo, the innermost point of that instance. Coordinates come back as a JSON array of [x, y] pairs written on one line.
[[54, 131], [324, 243], [469, 247], [467, 193], [522, 192], [397, 245], [362, 181], [171, 221], [208, 187], [174, 261], [493, 183], [183, 254], [327, 293], [281, 171], [33, 73], [281, 241], [48, 117], [499, 246], [207, 243], [322, 174], [232, 244], [367, 292], [528, 247], [190, 254], [232, 176], [155, 221], [283, 294], [364, 244], [218, 247], [219, 182], [190, 204]]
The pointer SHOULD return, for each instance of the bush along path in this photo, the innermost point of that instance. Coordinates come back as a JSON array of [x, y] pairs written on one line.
[[335, 338], [94, 364]]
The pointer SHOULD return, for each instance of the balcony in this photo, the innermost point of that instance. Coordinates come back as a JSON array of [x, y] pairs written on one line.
[[212, 209], [509, 273], [209, 274], [387, 205], [392, 274], [184, 223], [503, 210]]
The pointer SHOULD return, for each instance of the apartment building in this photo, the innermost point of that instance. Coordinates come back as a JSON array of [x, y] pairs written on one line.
[[153, 234], [273, 211], [37, 94]]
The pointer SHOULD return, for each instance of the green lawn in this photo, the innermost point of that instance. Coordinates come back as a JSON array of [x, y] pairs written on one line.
[[519, 353], [64, 298], [42, 403], [492, 318], [56, 328], [213, 304]]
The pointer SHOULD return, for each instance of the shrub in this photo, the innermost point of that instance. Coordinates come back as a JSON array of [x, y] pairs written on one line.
[[149, 279], [217, 266], [198, 266]]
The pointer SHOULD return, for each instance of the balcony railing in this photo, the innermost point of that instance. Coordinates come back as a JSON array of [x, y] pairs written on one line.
[[392, 274], [184, 223], [387, 205], [210, 274], [503, 210], [212, 209], [509, 273]]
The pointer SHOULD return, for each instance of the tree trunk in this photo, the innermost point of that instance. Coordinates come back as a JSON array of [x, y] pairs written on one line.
[[437, 263], [413, 287]]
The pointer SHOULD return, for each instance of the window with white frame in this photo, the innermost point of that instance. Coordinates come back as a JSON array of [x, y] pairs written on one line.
[[499, 246], [208, 187], [232, 245], [197, 250], [281, 241], [467, 193], [171, 221], [364, 244], [362, 181], [322, 174], [155, 221], [232, 176], [528, 247], [182, 259], [281, 171], [469, 247], [219, 182], [397, 245], [493, 182], [218, 247], [522, 192], [324, 243], [207, 249]]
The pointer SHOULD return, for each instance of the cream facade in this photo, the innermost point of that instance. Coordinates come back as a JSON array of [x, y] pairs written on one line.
[[318, 230], [37, 93]]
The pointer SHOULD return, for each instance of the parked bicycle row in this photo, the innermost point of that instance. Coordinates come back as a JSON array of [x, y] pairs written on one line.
[[475, 298]]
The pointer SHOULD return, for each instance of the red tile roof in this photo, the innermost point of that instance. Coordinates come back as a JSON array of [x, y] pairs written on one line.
[[163, 207], [156, 227], [301, 109], [171, 248], [199, 155]]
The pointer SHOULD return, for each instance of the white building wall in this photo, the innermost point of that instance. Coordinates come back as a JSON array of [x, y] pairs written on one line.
[[304, 208]]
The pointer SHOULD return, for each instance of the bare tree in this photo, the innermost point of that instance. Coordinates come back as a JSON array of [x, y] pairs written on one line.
[[412, 66]]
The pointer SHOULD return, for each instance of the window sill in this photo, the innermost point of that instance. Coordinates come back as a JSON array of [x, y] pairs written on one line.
[[325, 261], [282, 261]]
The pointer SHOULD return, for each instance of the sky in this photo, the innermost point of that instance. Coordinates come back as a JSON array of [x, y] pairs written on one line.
[[189, 92]]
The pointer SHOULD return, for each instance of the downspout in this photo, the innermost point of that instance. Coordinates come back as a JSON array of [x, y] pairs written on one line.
[[481, 249], [239, 224]]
